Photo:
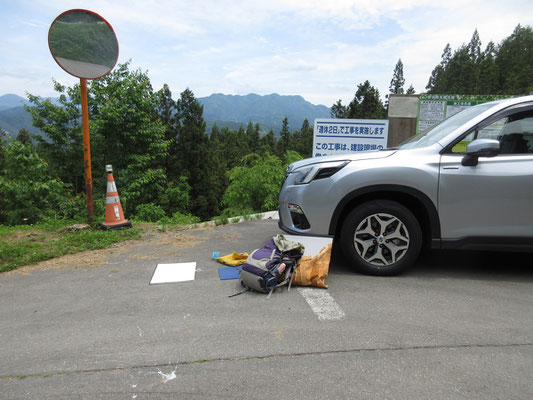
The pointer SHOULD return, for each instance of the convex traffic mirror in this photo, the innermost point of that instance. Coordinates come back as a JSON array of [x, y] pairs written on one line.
[[83, 44]]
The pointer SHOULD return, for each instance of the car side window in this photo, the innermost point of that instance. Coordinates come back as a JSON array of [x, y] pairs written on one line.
[[514, 132], [515, 137], [493, 130], [489, 131]]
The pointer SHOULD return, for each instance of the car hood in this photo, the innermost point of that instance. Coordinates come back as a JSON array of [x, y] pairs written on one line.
[[369, 155]]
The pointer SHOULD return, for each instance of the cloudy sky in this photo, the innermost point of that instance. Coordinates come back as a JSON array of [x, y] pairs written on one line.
[[319, 49]]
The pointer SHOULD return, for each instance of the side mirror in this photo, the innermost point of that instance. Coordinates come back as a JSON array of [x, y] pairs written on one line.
[[480, 148]]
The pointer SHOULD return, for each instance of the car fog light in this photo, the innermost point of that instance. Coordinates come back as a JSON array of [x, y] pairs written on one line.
[[295, 208]]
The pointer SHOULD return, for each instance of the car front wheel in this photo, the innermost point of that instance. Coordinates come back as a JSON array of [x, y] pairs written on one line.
[[381, 237]]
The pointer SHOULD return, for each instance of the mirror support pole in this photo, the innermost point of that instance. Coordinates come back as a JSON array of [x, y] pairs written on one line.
[[86, 149]]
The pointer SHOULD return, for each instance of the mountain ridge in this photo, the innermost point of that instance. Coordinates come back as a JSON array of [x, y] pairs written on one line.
[[225, 110], [9, 100], [266, 110]]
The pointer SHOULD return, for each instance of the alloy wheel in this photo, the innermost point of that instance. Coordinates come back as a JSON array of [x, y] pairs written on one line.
[[381, 239]]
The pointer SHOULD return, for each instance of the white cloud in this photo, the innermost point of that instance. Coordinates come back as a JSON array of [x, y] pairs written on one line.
[[319, 49]]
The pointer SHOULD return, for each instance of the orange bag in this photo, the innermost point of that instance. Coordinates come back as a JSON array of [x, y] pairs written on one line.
[[314, 271]]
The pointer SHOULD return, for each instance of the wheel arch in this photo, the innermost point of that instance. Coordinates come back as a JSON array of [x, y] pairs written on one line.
[[416, 201]]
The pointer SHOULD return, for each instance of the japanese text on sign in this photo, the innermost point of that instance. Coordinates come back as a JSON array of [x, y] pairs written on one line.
[[433, 108], [337, 136]]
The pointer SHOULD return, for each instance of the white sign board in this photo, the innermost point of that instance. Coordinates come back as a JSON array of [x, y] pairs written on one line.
[[403, 106], [339, 136]]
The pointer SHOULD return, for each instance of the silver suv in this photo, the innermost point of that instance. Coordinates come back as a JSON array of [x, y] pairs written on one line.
[[467, 183]]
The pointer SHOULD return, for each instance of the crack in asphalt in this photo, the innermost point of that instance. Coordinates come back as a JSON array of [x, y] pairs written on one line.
[[269, 356]]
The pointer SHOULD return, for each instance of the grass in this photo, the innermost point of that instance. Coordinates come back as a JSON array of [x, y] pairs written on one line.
[[23, 245], [220, 220]]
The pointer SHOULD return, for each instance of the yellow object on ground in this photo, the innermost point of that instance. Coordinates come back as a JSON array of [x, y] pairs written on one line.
[[233, 259], [314, 271]]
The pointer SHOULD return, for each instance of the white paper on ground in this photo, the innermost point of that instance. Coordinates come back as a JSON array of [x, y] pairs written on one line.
[[313, 244], [180, 272]]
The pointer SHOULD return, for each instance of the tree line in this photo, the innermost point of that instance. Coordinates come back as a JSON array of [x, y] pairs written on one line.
[[505, 68], [165, 163]]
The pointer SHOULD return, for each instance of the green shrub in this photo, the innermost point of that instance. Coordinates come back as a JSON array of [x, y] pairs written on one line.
[[75, 207], [176, 197], [237, 212], [256, 184], [28, 193], [180, 219], [149, 212], [220, 220]]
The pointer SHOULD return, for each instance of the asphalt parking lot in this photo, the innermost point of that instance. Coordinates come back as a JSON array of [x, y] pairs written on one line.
[[458, 325]]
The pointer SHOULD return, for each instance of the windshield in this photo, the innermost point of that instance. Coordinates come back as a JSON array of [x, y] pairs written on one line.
[[432, 135]]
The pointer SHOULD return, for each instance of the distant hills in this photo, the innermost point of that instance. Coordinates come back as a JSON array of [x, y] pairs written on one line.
[[224, 110], [13, 116], [269, 110], [11, 100]]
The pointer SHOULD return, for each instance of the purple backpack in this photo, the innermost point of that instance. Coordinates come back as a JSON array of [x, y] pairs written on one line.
[[264, 271]]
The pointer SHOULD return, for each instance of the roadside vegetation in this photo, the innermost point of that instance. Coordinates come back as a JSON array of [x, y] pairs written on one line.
[[168, 169], [24, 244]]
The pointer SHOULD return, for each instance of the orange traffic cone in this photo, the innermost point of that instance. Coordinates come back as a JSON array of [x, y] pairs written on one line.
[[114, 217]]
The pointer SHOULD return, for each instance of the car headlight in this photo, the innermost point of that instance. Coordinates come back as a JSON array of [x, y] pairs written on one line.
[[312, 172]]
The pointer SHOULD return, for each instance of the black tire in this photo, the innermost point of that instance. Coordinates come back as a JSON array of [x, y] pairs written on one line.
[[389, 238]]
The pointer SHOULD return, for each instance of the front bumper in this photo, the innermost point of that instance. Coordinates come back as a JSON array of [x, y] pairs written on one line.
[[307, 209]]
